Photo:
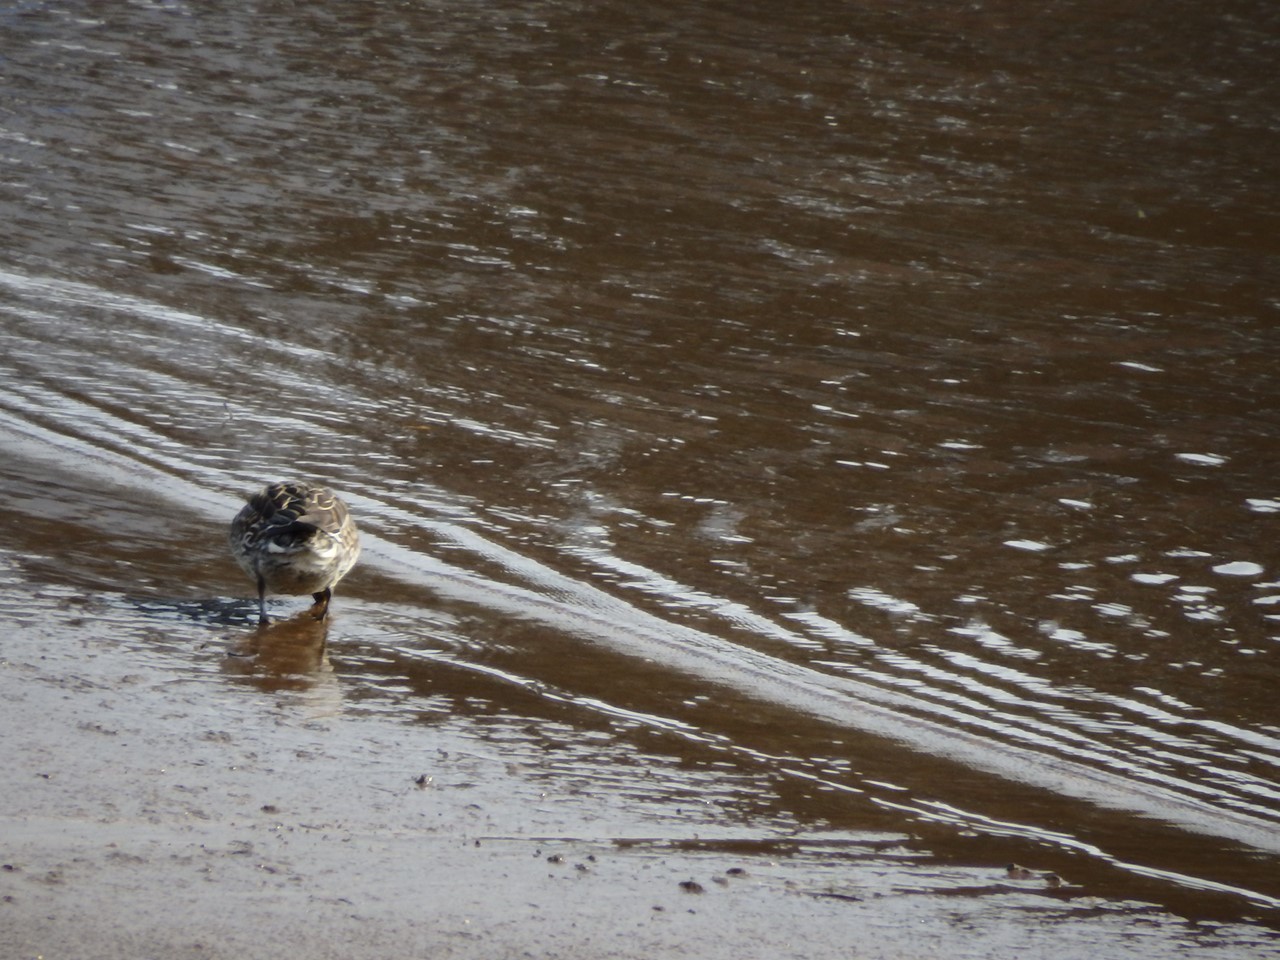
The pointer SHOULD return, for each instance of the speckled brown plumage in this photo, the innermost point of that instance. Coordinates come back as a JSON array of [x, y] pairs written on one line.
[[295, 538]]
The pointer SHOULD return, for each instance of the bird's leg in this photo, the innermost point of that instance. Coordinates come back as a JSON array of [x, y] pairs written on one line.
[[262, 602], [321, 609]]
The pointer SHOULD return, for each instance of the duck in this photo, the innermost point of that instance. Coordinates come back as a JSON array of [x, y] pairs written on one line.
[[295, 537]]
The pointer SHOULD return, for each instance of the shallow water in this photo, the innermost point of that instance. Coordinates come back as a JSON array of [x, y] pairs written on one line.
[[872, 412]]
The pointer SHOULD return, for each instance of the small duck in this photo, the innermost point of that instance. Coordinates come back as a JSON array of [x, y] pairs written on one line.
[[1016, 871], [293, 538]]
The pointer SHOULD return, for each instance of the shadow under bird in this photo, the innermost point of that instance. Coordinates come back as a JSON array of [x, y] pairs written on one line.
[[295, 538]]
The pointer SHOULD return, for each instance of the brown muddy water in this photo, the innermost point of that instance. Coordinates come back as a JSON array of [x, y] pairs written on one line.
[[855, 423]]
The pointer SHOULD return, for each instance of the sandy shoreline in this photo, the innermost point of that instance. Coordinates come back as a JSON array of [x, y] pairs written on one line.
[[151, 810], [136, 827]]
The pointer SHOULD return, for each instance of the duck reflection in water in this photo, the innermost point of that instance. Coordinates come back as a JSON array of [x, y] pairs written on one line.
[[285, 655]]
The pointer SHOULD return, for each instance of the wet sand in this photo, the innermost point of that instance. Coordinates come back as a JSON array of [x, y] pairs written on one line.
[[151, 817], [249, 810]]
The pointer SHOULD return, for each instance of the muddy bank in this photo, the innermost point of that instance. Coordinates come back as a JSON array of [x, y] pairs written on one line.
[[239, 804]]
